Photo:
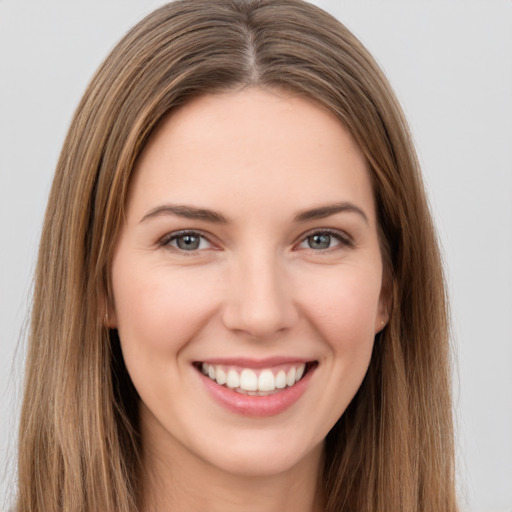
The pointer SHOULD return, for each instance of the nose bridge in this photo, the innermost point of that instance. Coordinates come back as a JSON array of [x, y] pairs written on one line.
[[260, 301]]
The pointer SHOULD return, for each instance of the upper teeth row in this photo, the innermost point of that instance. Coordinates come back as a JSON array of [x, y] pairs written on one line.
[[247, 379]]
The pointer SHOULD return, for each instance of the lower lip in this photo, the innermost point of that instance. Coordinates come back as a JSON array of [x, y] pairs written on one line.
[[257, 406]]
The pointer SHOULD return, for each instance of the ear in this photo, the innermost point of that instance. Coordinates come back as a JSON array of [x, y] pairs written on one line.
[[384, 306], [111, 318], [107, 313]]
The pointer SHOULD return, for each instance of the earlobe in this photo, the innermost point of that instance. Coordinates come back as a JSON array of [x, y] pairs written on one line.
[[383, 315], [384, 307], [109, 318], [380, 324]]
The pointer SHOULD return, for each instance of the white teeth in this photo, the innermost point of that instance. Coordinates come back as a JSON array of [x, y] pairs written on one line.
[[248, 380], [280, 379], [266, 381], [290, 376], [233, 379], [221, 376], [300, 372]]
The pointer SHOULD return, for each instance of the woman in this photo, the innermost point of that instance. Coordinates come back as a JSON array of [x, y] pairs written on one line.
[[195, 347]]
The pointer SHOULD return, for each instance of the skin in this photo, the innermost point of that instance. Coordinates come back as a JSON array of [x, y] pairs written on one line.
[[254, 288]]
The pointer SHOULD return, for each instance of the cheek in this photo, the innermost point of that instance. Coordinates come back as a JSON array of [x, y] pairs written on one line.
[[159, 310], [344, 307]]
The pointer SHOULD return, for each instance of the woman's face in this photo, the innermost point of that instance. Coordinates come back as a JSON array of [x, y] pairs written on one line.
[[249, 253]]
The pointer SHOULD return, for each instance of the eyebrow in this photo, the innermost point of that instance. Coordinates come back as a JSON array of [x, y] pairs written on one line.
[[188, 212], [191, 212], [331, 209]]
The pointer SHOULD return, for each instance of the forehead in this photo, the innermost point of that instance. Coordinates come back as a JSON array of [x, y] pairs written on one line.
[[255, 147]]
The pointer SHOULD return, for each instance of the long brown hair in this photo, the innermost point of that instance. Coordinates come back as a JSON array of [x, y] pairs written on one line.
[[79, 444]]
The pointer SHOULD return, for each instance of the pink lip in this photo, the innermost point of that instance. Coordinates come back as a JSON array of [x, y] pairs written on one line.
[[256, 406]]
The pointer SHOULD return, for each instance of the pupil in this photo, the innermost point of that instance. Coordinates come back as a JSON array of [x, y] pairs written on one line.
[[188, 242], [322, 241]]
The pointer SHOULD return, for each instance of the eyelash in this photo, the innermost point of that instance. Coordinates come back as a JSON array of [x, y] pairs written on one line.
[[166, 240], [343, 240]]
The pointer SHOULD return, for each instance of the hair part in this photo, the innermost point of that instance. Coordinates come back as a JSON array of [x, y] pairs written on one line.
[[79, 445]]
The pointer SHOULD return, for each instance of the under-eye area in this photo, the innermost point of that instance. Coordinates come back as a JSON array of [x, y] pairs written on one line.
[[257, 382]]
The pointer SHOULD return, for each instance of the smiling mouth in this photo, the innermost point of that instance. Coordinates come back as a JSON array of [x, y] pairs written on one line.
[[256, 382]]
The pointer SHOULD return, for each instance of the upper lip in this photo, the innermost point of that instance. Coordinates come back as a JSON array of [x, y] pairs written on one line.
[[255, 363]]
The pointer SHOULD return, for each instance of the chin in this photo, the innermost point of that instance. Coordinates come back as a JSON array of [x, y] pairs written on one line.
[[259, 460]]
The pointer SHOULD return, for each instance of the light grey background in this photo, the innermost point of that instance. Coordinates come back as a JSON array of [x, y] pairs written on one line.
[[451, 65]]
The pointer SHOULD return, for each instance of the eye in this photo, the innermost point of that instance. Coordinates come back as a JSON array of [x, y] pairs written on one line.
[[186, 241], [324, 240]]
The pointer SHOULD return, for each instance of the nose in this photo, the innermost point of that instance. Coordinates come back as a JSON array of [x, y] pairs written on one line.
[[260, 298]]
